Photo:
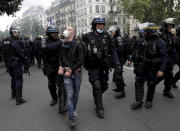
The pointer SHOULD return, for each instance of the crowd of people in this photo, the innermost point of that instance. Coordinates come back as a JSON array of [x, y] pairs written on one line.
[[153, 54]]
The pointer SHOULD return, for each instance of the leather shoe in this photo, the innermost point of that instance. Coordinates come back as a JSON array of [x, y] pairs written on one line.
[[120, 95], [53, 102], [174, 85], [21, 101], [168, 94], [148, 104], [100, 113], [136, 105]]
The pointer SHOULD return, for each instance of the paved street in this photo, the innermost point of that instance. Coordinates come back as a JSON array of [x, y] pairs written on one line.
[[37, 115]]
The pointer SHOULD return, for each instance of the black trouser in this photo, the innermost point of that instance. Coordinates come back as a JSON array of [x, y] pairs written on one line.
[[118, 78], [177, 75], [53, 80], [167, 77], [98, 79], [151, 82], [139, 88]]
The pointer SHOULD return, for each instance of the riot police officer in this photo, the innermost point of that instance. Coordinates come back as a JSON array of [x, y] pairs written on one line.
[[123, 51], [50, 48], [32, 52], [27, 48], [168, 37], [150, 59], [15, 59], [177, 61], [98, 61], [38, 51]]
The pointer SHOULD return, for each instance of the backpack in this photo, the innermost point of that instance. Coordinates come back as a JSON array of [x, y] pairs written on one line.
[[83, 46]]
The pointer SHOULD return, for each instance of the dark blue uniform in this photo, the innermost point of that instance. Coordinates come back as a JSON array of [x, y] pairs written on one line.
[[98, 62], [15, 59], [51, 66], [38, 51], [122, 48], [149, 57], [168, 37]]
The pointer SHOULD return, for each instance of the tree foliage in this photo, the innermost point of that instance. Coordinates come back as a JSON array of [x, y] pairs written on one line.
[[10, 6], [152, 10], [31, 28], [4, 34]]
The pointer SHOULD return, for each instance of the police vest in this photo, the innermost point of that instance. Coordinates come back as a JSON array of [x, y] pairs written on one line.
[[140, 54], [169, 42], [153, 55], [9, 51], [51, 57], [119, 43], [98, 50]]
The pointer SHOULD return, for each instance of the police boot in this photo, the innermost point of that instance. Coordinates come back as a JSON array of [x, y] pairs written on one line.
[[136, 105], [53, 102], [168, 94], [39, 66], [62, 105], [116, 90], [62, 99], [99, 104], [120, 87], [62, 108], [174, 85], [148, 104], [120, 95], [19, 99]]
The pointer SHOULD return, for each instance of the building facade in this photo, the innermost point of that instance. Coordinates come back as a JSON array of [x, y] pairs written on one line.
[[33, 13], [86, 10]]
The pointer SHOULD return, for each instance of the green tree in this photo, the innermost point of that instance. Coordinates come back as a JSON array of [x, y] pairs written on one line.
[[26, 28], [37, 28], [10, 6], [109, 23], [4, 34], [32, 28], [151, 10]]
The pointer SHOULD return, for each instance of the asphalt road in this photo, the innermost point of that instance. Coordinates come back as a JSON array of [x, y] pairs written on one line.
[[37, 115]]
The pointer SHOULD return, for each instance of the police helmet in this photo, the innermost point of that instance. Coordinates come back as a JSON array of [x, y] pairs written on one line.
[[51, 29], [167, 22], [150, 28], [111, 30], [13, 29], [98, 20]]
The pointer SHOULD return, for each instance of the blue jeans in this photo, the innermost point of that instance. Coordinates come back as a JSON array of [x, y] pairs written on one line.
[[72, 87]]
